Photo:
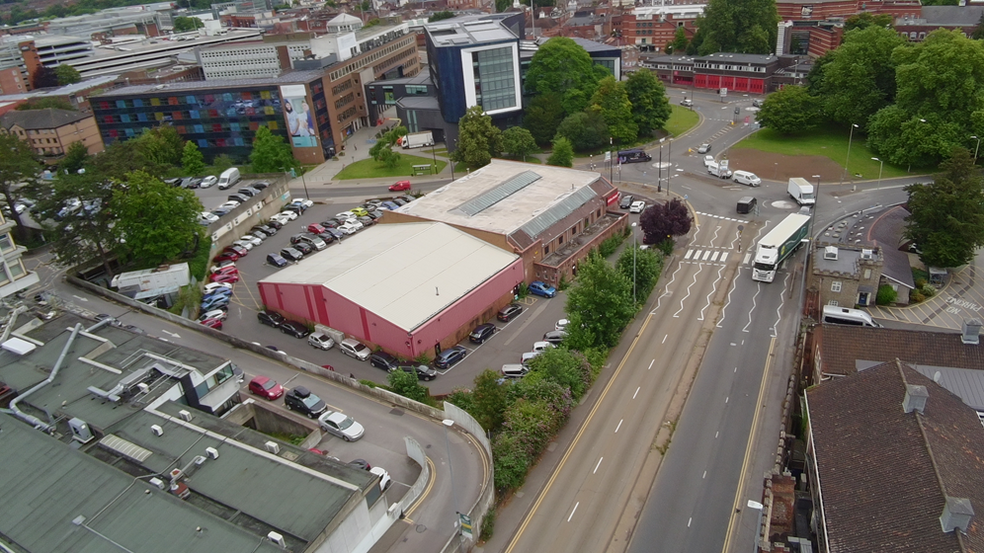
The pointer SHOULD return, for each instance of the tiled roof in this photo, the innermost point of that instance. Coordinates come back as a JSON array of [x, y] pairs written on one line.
[[886, 232], [843, 346], [36, 119], [884, 474]]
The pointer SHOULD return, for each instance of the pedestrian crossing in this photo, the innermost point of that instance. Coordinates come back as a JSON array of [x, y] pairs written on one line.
[[722, 217], [714, 256]]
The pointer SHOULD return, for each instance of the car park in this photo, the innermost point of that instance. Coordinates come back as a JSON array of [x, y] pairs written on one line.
[[354, 349], [482, 333], [208, 182], [276, 260], [637, 207], [265, 387], [625, 202], [321, 341], [294, 328], [270, 318], [507, 313], [341, 425], [400, 186], [540, 288], [450, 357], [423, 371], [704, 148], [383, 360], [292, 254], [555, 336], [301, 399]]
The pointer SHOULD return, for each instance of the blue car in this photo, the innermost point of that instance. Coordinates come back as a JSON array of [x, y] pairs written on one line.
[[217, 302], [538, 288], [215, 296]]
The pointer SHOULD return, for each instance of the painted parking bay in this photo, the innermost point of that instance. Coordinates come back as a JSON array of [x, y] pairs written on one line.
[[961, 299]]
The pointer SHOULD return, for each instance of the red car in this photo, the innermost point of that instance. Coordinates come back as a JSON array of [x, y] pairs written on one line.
[[241, 252], [226, 256], [400, 186], [266, 387], [227, 270], [315, 228], [231, 278], [213, 323]]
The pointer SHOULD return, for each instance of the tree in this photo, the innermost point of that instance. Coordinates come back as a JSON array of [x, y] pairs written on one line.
[[440, 16], [561, 66], [814, 78], [270, 153], [946, 216], [184, 24], [192, 160], [599, 305], [642, 265], [543, 114], [382, 150], [978, 33], [44, 77], [560, 365], [650, 106], [489, 400], [406, 384], [859, 77], [611, 100], [17, 167], [864, 20], [45, 103], [563, 153], [162, 146], [66, 74], [680, 41], [586, 130], [75, 158], [517, 142], [790, 110], [157, 221], [478, 139], [741, 26], [661, 221]]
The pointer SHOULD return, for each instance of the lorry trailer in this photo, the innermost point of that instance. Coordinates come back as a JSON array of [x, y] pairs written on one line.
[[779, 244]]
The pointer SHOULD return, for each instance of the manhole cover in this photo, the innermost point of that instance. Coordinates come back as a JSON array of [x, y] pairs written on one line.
[[420, 528]]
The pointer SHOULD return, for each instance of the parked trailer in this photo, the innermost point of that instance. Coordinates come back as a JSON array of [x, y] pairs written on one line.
[[417, 140], [779, 244], [165, 276]]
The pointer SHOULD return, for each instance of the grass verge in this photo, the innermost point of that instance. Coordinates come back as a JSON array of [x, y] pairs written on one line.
[[371, 169], [681, 120]]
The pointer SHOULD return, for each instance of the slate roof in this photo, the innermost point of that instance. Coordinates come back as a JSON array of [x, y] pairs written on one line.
[[967, 16], [843, 347], [37, 119], [886, 232]]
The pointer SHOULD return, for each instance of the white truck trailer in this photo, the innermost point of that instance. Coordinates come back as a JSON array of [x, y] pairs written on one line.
[[779, 244], [417, 140]]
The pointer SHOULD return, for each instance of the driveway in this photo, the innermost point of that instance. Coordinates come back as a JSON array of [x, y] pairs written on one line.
[[961, 299]]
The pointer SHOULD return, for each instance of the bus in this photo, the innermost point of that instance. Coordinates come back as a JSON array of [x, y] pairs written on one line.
[[633, 156]]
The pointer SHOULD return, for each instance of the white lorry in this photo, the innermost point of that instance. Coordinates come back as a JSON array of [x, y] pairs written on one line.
[[779, 244], [417, 140], [802, 191], [163, 279]]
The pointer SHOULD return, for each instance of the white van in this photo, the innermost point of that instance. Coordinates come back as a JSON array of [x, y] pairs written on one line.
[[744, 177], [833, 314], [514, 370], [228, 178], [715, 169]]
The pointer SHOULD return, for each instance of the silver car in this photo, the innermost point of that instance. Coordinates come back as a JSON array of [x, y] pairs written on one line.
[[341, 425], [321, 340]]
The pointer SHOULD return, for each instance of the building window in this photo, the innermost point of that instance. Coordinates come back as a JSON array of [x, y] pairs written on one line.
[[495, 81], [835, 286]]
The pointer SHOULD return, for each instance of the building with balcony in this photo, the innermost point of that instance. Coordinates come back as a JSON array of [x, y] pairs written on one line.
[[52, 131], [14, 277]]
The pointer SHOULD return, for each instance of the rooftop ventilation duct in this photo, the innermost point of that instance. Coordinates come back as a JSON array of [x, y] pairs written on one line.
[[957, 514], [971, 332], [915, 398]]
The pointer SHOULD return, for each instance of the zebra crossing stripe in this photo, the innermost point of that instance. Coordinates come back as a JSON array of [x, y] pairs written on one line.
[[688, 254], [706, 255], [715, 256]]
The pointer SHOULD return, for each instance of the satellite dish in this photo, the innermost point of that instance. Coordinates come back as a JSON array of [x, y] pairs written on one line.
[[937, 376]]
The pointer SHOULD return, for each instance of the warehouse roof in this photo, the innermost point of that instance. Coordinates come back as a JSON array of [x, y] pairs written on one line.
[[404, 273]]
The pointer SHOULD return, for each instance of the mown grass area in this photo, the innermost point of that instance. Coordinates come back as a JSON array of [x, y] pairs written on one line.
[[681, 120], [829, 142], [372, 169]]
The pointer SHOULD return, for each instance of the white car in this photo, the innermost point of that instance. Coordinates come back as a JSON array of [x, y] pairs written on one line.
[[214, 314], [355, 223], [244, 244], [289, 215], [348, 228], [213, 286], [208, 181], [345, 215], [528, 356], [305, 203], [384, 477], [251, 239], [341, 425], [561, 324], [208, 217], [708, 160], [542, 346], [637, 207], [231, 204], [321, 340], [281, 218]]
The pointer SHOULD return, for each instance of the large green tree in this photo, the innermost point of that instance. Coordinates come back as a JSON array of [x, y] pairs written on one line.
[[599, 305], [946, 218], [611, 100], [741, 26], [75, 158], [518, 143], [17, 167], [569, 369], [407, 385], [184, 24], [563, 153], [478, 139], [192, 160], [864, 20], [644, 265], [489, 401], [859, 78], [650, 106], [586, 130], [680, 42], [790, 110], [67, 74], [157, 221], [543, 114], [270, 153], [561, 66], [162, 146]]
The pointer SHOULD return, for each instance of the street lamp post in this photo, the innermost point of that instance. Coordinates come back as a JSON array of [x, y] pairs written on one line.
[[976, 149], [449, 423], [880, 167], [659, 167], [611, 161], [451, 161], [816, 202], [635, 248], [849, 141]]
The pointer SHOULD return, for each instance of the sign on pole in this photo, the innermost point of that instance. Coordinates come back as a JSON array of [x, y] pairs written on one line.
[[608, 156], [466, 525]]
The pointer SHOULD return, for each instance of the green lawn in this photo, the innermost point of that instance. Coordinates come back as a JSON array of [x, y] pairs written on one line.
[[371, 169], [681, 120], [830, 142]]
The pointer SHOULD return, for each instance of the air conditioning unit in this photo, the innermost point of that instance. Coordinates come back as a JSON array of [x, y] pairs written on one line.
[[143, 387], [272, 447], [276, 538], [157, 430], [175, 474], [80, 430], [185, 415], [212, 452], [830, 252], [157, 482]]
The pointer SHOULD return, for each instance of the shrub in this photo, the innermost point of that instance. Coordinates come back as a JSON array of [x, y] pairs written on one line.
[[916, 296], [886, 295], [610, 244], [488, 525], [927, 290], [407, 385], [510, 461]]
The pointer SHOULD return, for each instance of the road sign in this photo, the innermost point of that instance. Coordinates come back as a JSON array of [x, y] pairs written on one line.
[[466, 525], [608, 156]]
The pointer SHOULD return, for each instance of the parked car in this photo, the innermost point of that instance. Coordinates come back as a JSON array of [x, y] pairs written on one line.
[[292, 254], [314, 241], [540, 288], [270, 318], [561, 324], [348, 228], [555, 336], [345, 216], [508, 312], [687, 103], [336, 233], [224, 277], [212, 287], [230, 205], [251, 239], [423, 371], [215, 302], [213, 314], [400, 186], [321, 341], [327, 237], [265, 387], [260, 185], [288, 213], [248, 191], [315, 228], [225, 256], [756, 103], [638, 207], [222, 291], [304, 248], [354, 349], [383, 360], [301, 399], [275, 224], [208, 182], [246, 244], [359, 211], [450, 357], [388, 205], [226, 266], [529, 356], [482, 333], [265, 229], [704, 148], [212, 323], [294, 328], [332, 223], [542, 346], [208, 218], [625, 202], [220, 212], [276, 260], [241, 252], [341, 425], [366, 221], [241, 198]]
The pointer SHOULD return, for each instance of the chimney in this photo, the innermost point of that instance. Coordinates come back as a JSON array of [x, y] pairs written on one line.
[[971, 334], [915, 398], [956, 514]]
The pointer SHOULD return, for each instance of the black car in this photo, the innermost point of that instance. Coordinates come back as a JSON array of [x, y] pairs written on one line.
[[336, 233], [423, 371], [482, 333], [295, 329], [238, 198], [301, 399], [626, 202], [291, 254], [249, 191], [260, 185], [265, 229], [450, 357], [373, 214], [297, 239], [508, 312], [304, 247], [327, 237], [331, 223], [276, 225], [270, 318], [383, 360]]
